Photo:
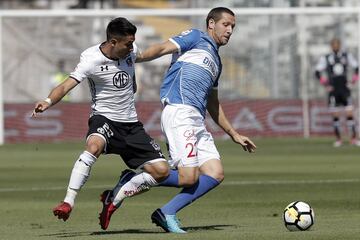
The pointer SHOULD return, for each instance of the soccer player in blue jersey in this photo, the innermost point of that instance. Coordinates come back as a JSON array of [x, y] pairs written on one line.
[[188, 90]]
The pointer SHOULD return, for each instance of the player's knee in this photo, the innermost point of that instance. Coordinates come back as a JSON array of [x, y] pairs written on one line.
[[159, 171], [94, 148], [219, 176], [187, 181], [95, 145], [162, 172]]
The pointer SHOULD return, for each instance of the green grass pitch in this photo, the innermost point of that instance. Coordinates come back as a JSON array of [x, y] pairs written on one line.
[[248, 205]]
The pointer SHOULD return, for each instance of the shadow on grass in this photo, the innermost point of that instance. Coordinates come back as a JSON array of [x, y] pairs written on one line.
[[136, 231], [210, 227]]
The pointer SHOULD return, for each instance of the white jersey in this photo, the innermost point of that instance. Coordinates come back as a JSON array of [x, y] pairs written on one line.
[[112, 83]]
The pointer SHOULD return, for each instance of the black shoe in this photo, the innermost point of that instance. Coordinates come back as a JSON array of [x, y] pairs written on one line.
[[159, 219], [170, 223]]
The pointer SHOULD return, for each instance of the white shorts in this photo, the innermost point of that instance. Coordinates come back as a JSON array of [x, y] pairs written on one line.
[[190, 144]]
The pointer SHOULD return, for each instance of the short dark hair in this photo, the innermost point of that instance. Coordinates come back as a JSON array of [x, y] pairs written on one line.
[[216, 14], [119, 27], [335, 39]]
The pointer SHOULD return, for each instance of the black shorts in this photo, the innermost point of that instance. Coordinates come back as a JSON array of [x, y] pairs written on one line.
[[338, 99], [129, 140]]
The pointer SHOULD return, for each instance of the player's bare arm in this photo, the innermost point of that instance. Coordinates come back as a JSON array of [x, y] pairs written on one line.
[[217, 114], [55, 96], [156, 51]]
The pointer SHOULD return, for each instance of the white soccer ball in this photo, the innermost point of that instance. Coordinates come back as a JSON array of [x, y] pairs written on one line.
[[298, 216]]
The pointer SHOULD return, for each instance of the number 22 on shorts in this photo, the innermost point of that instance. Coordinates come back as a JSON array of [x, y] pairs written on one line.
[[192, 150]]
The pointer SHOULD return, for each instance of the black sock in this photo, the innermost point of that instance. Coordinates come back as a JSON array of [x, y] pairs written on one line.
[[351, 126], [336, 124]]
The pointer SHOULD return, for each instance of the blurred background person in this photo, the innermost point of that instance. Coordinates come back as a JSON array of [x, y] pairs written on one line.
[[331, 71]]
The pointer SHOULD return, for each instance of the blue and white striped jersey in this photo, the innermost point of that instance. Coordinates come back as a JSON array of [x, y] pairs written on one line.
[[194, 70]]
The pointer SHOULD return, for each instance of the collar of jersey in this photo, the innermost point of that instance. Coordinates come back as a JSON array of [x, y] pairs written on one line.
[[211, 41], [112, 59]]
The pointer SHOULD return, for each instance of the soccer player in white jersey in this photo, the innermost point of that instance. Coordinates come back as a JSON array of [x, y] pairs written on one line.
[[113, 124], [188, 90]]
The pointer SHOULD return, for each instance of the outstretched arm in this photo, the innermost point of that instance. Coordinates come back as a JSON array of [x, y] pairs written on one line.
[[156, 51], [217, 114], [55, 95]]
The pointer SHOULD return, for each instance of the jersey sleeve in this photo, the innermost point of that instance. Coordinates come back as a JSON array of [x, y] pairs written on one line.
[[186, 40], [135, 52], [352, 61], [216, 83], [83, 70], [321, 65]]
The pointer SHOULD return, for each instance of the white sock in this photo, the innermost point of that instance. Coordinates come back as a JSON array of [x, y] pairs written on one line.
[[70, 196], [138, 184], [79, 175]]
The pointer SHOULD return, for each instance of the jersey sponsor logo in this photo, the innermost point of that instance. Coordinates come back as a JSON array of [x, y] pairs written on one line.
[[338, 69], [201, 58], [210, 64], [121, 79]]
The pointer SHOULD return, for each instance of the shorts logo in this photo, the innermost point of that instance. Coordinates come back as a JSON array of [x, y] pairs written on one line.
[[155, 145], [121, 79], [190, 135], [105, 130], [101, 131]]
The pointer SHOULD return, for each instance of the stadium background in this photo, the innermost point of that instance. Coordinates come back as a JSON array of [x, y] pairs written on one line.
[[267, 86]]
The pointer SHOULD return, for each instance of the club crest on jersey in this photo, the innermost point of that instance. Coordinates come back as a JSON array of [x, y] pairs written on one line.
[[121, 79], [129, 62]]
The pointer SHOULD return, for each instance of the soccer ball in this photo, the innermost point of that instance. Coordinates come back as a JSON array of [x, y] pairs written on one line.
[[298, 216]]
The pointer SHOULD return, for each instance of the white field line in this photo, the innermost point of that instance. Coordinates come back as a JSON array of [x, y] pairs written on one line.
[[226, 183], [290, 182]]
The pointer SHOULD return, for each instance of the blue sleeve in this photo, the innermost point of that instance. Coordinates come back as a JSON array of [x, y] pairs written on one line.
[[216, 83], [187, 39]]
